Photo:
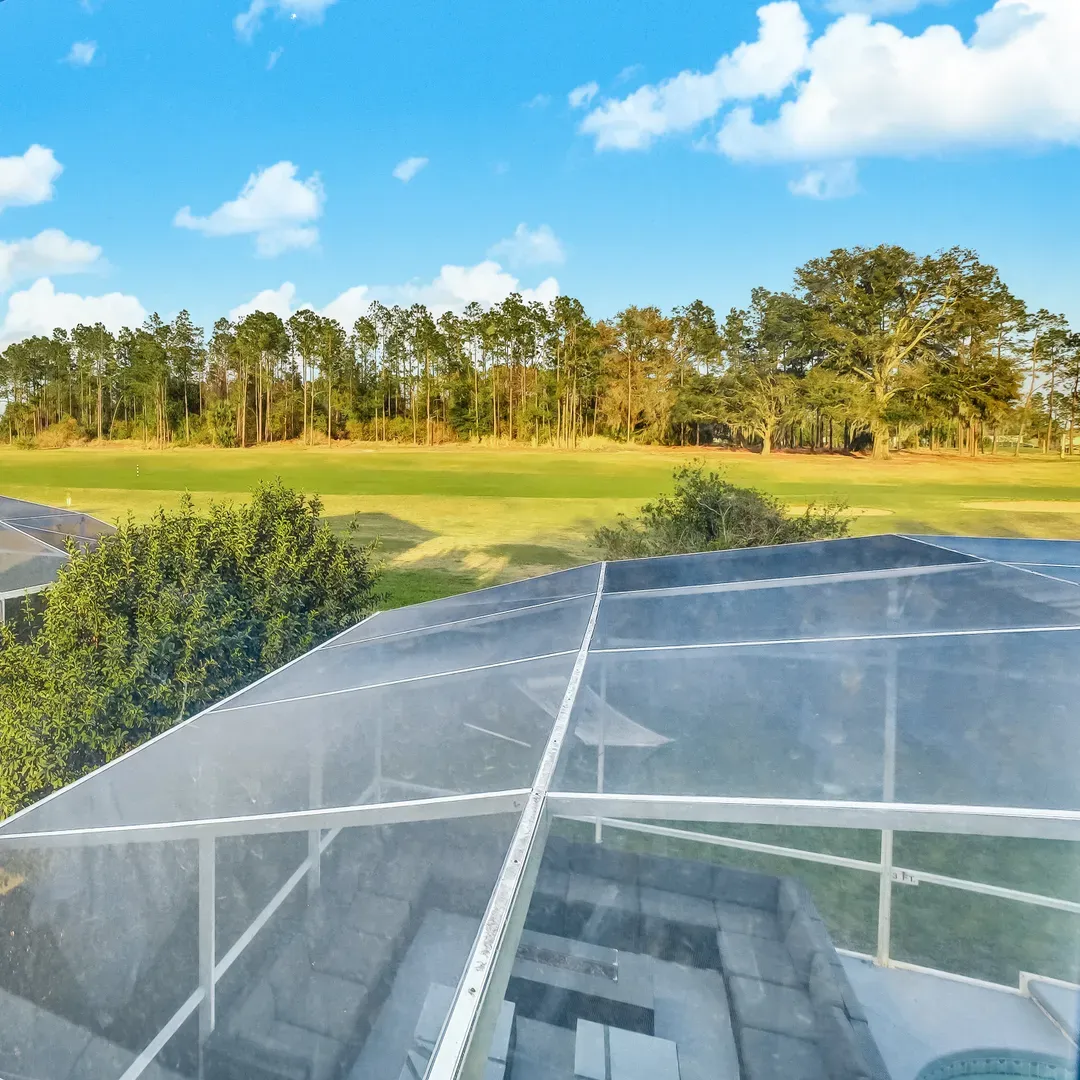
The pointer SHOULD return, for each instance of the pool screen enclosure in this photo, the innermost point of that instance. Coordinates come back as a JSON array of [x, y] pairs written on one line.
[[894, 716], [33, 546]]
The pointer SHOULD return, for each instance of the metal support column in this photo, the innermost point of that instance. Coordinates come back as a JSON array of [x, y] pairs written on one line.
[[888, 783], [600, 749], [207, 935], [315, 801], [378, 778]]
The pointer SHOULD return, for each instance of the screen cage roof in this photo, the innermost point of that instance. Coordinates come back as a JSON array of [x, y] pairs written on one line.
[[880, 682], [33, 543]]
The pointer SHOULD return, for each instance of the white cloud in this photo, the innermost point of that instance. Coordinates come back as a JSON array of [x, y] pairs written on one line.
[[863, 87], [628, 72], [580, 96], [40, 309], [81, 53], [28, 178], [1002, 22], [273, 58], [248, 22], [278, 301], [834, 180], [527, 248], [273, 205], [453, 289], [871, 89], [407, 169], [349, 306], [538, 101], [764, 68], [50, 252]]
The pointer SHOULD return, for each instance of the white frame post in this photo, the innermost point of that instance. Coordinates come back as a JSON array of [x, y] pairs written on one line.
[[888, 786], [378, 779], [598, 835], [315, 802], [207, 936]]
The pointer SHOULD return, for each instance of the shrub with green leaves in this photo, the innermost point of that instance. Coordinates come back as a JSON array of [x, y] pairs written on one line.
[[161, 620], [708, 513]]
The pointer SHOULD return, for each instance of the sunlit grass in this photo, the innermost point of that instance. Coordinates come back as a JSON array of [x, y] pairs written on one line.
[[457, 517]]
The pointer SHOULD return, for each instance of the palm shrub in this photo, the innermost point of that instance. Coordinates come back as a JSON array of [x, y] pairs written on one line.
[[706, 512], [162, 619]]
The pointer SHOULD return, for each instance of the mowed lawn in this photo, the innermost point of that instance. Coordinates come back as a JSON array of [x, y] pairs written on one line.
[[450, 518]]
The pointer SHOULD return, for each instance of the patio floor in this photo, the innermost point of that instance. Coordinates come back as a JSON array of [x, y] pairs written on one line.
[[916, 1018]]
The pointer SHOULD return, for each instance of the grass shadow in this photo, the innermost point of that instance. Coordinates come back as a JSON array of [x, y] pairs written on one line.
[[534, 555], [394, 534]]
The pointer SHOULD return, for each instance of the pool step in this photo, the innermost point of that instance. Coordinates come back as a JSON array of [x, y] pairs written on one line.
[[1060, 1003]]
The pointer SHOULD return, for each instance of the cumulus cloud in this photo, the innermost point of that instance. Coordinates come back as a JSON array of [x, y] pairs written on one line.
[[50, 252], [863, 87], [277, 301], [81, 54], [40, 309], [274, 206], [453, 289], [873, 90], [273, 58], [349, 306], [834, 180], [247, 23], [407, 169], [26, 179], [580, 96], [529, 247], [763, 68]]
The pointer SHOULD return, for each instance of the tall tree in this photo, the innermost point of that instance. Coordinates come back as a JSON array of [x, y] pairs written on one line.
[[640, 368], [875, 311]]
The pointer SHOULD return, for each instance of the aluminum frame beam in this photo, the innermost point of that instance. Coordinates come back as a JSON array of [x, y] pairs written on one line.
[[828, 813], [388, 813], [454, 1055]]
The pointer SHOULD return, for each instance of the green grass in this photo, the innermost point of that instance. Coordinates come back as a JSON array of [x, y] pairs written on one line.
[[402, 587], [451, 518], [969, 934]]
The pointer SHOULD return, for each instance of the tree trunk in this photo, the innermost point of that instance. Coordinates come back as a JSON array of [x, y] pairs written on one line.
[[303, 370], [1031, 391], [880, 435], [1072, 410], [1050, 406]]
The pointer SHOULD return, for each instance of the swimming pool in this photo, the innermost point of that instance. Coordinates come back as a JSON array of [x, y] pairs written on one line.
[[995, 1064]]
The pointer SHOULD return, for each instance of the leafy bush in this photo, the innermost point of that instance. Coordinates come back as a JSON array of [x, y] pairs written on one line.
[[708, 513], [163, 619], [65, 432]]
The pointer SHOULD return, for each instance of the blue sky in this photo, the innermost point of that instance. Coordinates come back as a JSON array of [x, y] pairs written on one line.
[[676, 177]]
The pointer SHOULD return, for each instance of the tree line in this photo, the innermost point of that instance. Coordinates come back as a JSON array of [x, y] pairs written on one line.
[[871, 348]]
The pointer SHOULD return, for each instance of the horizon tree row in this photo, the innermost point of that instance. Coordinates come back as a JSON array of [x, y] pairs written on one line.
[[873, 348]]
